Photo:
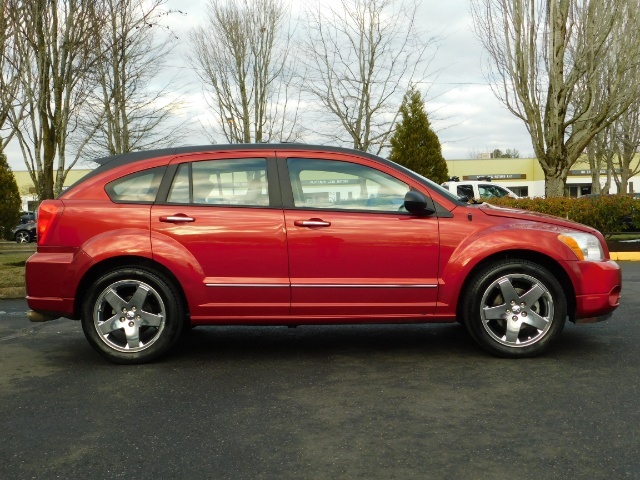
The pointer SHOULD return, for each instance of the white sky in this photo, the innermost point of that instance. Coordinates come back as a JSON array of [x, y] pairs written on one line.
[[463, 110]]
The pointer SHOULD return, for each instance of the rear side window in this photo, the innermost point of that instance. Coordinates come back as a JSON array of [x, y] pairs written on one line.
[[139, 187], [240, 182]]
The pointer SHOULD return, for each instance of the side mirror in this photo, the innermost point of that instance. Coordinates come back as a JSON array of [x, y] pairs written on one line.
[[416, 203]]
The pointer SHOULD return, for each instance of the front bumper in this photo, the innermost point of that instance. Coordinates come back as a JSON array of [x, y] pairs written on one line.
[[598, 286], [601, 318]]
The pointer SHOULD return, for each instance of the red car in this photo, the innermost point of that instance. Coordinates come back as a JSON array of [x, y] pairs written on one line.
[[151, 243]]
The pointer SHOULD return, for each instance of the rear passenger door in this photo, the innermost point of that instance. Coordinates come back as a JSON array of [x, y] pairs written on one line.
[[221, 225]]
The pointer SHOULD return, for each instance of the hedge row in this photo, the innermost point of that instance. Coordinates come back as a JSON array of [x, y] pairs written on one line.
[[607, 213]]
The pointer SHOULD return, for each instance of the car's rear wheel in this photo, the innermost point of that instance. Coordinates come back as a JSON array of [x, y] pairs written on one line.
[[23, 236], [132, 315], [517, 308]]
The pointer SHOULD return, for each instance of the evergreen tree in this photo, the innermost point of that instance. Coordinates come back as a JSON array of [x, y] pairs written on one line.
[[414, 144], [11, 202]]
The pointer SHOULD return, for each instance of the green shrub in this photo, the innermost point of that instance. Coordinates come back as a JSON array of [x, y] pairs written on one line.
[[10, 205], [607, 213]]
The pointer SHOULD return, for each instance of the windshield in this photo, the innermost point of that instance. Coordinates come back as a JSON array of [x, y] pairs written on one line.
[[489, 191]]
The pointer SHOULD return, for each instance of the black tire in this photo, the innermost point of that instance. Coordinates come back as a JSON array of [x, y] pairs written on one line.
[[132, 315], [23, 236], [515, 309]]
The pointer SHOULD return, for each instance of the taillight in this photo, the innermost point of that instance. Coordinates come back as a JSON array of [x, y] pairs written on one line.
[[48, 212]]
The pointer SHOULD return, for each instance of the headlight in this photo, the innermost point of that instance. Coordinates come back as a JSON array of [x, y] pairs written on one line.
[[584, 245]]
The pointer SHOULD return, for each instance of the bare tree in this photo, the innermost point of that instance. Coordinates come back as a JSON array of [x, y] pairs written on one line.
[[544, 52], [11, 65], [627, 142], [361, 57], [125, 112], [241, 54], [614, 148], [57, 40], [475, 154], [600, 154]]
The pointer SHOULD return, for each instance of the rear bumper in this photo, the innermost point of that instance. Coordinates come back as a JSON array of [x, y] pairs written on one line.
[[52, 280], [38, 317], [52, 307]]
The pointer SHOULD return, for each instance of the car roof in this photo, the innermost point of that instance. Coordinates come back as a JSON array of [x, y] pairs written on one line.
[[130, 157], [113, 161]]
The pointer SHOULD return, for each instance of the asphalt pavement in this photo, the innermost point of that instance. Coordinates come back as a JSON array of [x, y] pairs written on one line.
[[325, 402]]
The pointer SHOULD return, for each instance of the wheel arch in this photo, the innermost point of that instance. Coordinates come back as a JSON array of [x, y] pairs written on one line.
[[536, 257], [99, 269]]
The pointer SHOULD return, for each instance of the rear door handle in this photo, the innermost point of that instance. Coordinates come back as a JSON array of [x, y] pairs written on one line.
[[177, 219], [314, 222]]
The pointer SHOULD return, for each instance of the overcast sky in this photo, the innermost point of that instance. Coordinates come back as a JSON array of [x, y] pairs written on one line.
[[464, 112]]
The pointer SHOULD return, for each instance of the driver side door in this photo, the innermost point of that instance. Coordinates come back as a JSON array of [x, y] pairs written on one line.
[[354, 251]]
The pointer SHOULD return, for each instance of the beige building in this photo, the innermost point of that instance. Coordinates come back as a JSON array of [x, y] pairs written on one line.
[[28, 191], [522, 175]]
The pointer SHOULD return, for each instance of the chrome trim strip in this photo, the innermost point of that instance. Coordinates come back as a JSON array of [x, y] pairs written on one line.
[[320, 285], [252, 285], [361, 286]]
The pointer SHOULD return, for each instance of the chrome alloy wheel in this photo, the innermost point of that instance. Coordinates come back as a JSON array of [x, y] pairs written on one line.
[[517, 310], [23, 237], [129, 315]]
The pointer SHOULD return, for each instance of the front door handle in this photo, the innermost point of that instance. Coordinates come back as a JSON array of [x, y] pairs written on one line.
[[180, 218], [313, 222]]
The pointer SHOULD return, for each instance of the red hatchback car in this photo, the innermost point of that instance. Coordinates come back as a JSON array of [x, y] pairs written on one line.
[[151, 243]]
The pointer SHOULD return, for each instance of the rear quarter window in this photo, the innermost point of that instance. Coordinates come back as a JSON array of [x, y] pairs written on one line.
[[139, 187]]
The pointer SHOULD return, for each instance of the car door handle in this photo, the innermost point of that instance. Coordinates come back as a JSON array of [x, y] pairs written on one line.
[[177, 219], [314, 222]]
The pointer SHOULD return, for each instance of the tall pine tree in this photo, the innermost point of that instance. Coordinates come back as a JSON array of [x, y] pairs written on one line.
[[11, 202], [414, 144]]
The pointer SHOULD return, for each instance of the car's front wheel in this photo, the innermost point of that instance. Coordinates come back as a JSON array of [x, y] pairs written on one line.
[[516, 308], [23, 237], [132, 315]]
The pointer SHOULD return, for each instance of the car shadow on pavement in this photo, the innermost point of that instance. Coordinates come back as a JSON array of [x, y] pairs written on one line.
[[62, 344], [235, 342], [313, 340]]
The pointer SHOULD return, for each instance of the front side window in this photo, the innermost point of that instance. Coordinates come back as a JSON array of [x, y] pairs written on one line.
[[343, 185], [221, 182], [139, 187], [466, 191]]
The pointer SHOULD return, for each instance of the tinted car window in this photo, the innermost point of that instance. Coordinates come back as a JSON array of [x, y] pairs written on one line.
[[181, 187], [466, 191], [221, 182], [139, 187], [27, 217], [344, 185]]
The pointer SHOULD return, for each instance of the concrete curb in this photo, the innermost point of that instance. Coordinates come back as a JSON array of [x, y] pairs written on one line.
[[625, 256]]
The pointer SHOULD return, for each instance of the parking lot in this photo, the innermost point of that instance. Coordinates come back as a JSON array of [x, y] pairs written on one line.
[[369, 402]]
